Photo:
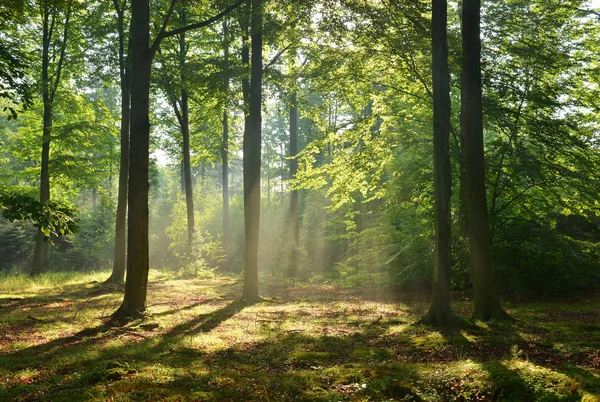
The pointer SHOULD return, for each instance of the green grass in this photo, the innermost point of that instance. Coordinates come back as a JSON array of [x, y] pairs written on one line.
[[313, 342]]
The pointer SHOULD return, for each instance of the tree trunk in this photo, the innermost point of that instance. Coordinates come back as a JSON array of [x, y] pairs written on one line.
[[40, 251], [118, 272], [294, 228], [181, 177], [487, 305], [134, 302], [440, 312], [252, 156], [225, 146], [185, 133]]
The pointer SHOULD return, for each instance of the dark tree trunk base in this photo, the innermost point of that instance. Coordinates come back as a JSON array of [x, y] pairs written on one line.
[[122, 317], [441, 319], [497, 313]]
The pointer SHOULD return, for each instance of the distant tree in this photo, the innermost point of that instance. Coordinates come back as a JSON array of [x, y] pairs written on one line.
[[225, 144], [486, 303], [252, 158], [440, 312]]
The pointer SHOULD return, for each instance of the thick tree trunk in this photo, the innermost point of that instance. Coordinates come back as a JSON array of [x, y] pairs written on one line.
[[440, 312], [118, 272], [487, 305], [134, 302], [252, 161]]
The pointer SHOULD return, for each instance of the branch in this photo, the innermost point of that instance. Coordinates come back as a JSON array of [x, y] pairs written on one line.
[[277, 56], [117, 7], [62, 54], [166, 34], [592, 12], [163, 29]]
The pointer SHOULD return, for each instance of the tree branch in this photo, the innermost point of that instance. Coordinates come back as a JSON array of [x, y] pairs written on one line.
[[166, 34], [62, 53], [163, 29], [277, 57]]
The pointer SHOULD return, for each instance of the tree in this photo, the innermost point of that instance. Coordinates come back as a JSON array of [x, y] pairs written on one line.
[[142, 54], [294, 227], [14, 87], [118, 272], [486, 303], [180, 104], [49, 84], [440, 312], [252, 159], [225, 144]]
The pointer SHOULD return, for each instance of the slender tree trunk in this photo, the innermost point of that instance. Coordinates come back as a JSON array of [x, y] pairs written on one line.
[[252, 156], [118, 272], [185, 132], [440, 312], [187, 170], [294, 227], [487, 305], [49, 88], [294, 167], [134, 302], [40, 251], [225, 146]]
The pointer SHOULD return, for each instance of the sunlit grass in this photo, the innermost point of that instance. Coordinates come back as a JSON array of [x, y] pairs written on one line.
[[199, 342]]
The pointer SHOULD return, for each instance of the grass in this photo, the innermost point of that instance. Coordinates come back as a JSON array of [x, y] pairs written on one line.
[[198, 342]]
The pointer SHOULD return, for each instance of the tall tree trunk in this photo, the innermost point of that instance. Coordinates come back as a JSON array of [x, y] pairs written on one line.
[[185, 132], [487, 305], [225, 146], [118, 272], [252, 161], [49, 88], [440, 312], [294, 228], [134, 302]]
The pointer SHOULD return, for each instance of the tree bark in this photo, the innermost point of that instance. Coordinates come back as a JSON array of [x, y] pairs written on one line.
[[225, 146], [486, 303], [134, 302], [252, 160], [440, 312], [118, 272]]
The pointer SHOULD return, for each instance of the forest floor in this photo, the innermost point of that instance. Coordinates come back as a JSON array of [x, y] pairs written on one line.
[[310, 342]]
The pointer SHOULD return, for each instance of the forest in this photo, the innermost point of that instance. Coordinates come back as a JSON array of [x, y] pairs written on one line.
[[312, 200]]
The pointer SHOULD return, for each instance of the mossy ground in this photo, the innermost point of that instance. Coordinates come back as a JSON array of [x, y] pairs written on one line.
[[311, 342]]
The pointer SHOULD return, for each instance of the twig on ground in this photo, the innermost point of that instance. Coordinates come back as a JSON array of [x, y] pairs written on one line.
[[375, 322], [81, 306]]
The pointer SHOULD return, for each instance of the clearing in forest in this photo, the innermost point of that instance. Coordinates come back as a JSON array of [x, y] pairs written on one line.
[[311, 342]]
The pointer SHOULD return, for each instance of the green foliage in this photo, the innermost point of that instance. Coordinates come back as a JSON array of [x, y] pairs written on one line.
[[54, 218]]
